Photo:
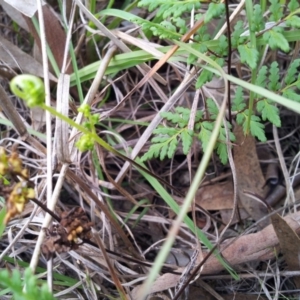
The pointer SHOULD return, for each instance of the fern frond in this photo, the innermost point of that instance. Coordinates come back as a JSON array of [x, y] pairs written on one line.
[[269, 112], [238, 102], [187, 140], [205, 133], [162, 31], [261, 79], [292, 72], [172, 148], [165, 131], [212, 108], [172, 117], [274, 84], [291, 94]]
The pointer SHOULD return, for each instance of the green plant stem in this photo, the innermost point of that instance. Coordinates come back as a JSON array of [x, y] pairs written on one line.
[[249, 10], [102, 143]]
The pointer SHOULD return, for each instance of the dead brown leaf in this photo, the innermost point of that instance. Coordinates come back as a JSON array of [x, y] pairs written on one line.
[[249, 175], [289, 244], [257, 246], [216, 197], [20, 61], [55, 35]]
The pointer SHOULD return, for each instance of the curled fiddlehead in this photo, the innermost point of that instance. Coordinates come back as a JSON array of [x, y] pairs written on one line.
[[29, 88]]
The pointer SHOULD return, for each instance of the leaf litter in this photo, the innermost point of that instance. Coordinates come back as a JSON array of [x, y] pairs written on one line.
[[246, 246]]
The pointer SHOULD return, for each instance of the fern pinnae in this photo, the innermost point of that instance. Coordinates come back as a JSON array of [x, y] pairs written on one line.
[[172, 148], [187, 140], [238, 102], [274, 84], [291, 74]]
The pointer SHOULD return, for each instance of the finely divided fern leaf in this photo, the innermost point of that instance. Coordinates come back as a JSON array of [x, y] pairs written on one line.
[[256, 127], [291, 94], [276, 39], [261, 79], [172, 148], [238, 102], [165, 131], [293, 21], [187, 140], [269, 112], [205, 133], [274, 84], [214, 10], [157, 29], [276, 10], [249, 55], [292, 71], [204, 77], [212, 108]]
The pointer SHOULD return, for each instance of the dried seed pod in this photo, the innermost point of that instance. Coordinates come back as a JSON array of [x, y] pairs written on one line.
[[66, 235]]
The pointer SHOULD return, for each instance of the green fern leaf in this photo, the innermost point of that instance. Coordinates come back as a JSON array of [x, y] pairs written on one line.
[[202, 35], [236, 38], [182, 110], [269, 112], [240, 118], [256, 128], [222, 49], [164, 151], [204, 77], [185, 114], [165, 131], [205, 134], [222, 134], [172, 117], [261, 79], [172, 148], [214, 10], [293, 5], [150, 4], [222, 152], [249, 55], [293, 21], [238, 102], [276, 10], [257, 23], [212, 108], [156, 29], [181, 24], [276, 40], [153, 152], [274, 84], [201, 47], [199, 115], [290, 94], [292, 71], [160, 139], [178, 9], [168, 25], [187, 140]]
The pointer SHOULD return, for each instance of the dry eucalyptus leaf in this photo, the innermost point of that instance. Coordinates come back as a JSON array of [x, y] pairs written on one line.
[[55, 35], [249, 175], [14, 14], [20, 61], [162, 283], [25, 7], [289, 244], [215, 197]]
